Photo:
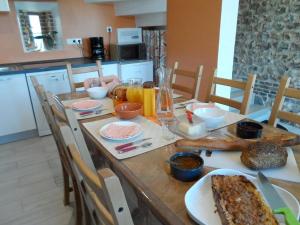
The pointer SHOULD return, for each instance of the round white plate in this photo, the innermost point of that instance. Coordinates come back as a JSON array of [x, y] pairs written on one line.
[[200, 203], [121, 123], [80, 106]]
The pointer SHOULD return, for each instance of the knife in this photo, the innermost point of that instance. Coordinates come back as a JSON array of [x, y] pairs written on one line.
[[275, 201], [119, 147]]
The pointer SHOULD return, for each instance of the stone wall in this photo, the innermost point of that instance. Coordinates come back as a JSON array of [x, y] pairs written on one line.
[[268, 44]]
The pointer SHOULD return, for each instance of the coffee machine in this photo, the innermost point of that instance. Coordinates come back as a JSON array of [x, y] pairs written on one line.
[[97, 48]]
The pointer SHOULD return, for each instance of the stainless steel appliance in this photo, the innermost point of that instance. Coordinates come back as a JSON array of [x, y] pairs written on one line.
[[128, 51]]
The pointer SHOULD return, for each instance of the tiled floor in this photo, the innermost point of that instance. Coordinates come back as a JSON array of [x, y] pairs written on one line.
[[31, 189]]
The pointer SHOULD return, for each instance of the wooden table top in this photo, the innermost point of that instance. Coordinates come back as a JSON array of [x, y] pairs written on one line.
[[150, 176]]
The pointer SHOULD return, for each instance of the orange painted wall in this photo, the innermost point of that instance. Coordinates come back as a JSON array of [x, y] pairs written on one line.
[[78, 19], [193, 36]]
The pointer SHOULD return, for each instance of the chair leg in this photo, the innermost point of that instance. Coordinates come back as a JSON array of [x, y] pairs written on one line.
[[79, 220], [67, 188]]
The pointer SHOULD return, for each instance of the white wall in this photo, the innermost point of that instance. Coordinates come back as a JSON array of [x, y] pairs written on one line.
[[151, 19], [136, 7], [228, 26]]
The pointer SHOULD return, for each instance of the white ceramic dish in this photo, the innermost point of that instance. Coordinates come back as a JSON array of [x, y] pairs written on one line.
[[199, 105], [97, 92], [86, 105], [213, 117], [121, 123], [201, 206]]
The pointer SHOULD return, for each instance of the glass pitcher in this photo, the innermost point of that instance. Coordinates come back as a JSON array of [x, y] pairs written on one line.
[[164, 103]]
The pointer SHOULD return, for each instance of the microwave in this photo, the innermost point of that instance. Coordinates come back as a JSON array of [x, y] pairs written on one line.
[[128, 52], [129, 36]]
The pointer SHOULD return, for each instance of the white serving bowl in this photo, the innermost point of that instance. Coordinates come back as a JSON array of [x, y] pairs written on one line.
[[213, 117], [97, 92], [196, 105]]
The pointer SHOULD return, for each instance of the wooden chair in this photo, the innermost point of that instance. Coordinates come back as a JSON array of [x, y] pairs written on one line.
[[102, 191], [195, 76], [75, 71], [284, 91], [54, 118], [247, 87]]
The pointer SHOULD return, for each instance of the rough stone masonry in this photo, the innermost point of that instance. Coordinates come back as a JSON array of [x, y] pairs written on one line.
[[268, 44]]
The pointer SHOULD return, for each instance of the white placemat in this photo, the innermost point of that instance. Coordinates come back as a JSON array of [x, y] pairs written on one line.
[[231, 160], [108, 107], [230, 117], [150, 130]]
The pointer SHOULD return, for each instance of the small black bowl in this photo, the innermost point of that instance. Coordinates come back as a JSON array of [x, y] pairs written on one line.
[[249, 130], [186, 166]]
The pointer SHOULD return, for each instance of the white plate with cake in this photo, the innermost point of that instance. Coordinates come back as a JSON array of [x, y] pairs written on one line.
[[202, 201]]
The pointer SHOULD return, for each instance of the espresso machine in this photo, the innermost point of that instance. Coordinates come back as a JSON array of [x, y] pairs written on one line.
[[97, 48]]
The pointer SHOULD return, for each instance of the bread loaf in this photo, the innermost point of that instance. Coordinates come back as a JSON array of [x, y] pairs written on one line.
[[263, 155], [239, 203]]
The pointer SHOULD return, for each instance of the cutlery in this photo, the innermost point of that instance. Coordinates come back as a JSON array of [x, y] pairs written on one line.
[[275, 201], [119, 147], [145, 145], [87, 113]]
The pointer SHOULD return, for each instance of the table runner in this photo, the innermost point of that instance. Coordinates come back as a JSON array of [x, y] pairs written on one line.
[[150, 129], [231, 160], [107, 105]]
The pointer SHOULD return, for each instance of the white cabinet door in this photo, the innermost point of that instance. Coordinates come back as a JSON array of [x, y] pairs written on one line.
[[16, 110], [54, 81], [142, 70], [110, 69]]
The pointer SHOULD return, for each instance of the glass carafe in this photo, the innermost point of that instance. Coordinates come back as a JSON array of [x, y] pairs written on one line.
[[164, 103]]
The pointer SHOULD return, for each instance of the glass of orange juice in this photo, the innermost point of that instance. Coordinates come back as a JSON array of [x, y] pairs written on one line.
[[135, 90]]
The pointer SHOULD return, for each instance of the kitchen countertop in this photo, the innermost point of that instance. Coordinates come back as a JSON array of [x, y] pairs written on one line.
[[46, 65]]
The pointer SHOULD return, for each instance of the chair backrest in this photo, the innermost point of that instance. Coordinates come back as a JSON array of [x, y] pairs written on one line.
[[79, 138], [75, 71], [101, 190], [247, 87], [284, 91], [196, 76]]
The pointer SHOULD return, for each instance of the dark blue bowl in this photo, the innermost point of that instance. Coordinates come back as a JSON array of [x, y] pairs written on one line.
[[186, 166]]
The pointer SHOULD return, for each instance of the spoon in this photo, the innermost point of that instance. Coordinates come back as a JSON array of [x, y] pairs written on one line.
[[145, 145]]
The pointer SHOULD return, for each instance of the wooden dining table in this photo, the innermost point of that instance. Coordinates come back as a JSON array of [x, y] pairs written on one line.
[[146, 178]]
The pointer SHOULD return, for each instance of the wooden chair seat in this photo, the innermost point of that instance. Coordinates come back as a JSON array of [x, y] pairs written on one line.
[[283, 92], [247, 87], [192, 90], [72, 72]]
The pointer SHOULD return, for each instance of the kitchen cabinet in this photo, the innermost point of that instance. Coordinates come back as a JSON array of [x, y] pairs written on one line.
[[4, 6], [142, 70], [16, 111], [55, 81]]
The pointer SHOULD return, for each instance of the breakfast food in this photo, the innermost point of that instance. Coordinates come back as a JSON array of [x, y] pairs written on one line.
[[238, 202], [119, 131], [264, 155], [195, 129]]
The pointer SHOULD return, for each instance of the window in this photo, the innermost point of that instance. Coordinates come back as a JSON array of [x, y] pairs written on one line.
[[39, 25]]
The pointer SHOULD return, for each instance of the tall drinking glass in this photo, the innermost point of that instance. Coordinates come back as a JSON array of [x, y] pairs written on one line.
[[135, 90]]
